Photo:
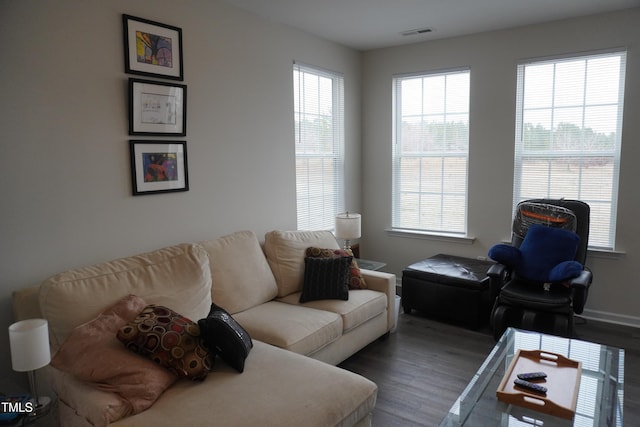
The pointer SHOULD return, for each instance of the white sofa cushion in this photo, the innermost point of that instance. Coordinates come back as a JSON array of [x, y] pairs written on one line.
[[241, 277], [295, 328], [177, 277], [362, 305], [277, 389], [285, 251]]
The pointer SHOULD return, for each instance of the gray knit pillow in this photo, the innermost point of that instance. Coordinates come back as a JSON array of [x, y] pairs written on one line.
[[326, 278]]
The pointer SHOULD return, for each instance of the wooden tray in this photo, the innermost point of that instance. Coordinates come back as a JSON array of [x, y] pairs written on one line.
[[562, 383]]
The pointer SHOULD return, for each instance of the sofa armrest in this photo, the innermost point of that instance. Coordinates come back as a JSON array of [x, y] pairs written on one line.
[[26, 303], [383, 282]]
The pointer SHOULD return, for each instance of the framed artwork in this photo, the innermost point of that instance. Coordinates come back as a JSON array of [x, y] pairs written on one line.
[[158, 167], [152, 48], [157, 108]]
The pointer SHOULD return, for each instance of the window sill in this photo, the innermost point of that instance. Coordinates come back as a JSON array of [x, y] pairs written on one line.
[[467, 240], [606, 253], [429, 235]]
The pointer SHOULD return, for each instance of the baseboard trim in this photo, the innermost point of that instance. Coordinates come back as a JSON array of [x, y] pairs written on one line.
[[618, 319]]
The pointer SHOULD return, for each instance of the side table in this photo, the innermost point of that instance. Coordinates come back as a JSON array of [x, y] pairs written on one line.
[[50, 419], [370, 265], [9, 387]]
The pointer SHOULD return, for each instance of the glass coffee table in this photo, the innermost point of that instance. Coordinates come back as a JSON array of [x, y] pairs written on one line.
[[600, 397]]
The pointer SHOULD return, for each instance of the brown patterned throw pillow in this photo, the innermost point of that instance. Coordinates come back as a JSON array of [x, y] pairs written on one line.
[[169, 339], [356, 281]]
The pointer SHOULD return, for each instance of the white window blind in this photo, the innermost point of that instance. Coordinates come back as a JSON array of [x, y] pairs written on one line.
[[431, 150], [319, 146], [568, 135]]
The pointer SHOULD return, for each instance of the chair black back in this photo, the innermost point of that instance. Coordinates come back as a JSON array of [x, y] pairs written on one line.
[[582, 212]]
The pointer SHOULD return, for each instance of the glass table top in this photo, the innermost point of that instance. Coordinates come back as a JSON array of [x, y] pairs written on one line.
[[600, 397], [369, 264]]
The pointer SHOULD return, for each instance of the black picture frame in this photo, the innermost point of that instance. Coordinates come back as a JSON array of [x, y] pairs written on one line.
[[158, 167], [157, 108], [152, 49]]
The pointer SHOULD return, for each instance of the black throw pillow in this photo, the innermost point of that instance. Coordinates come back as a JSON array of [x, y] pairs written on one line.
[[224, 336], [326, 278]]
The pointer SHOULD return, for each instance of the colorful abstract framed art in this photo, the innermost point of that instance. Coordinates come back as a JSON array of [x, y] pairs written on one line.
[[158, 167], [152, 49], [157, 108]]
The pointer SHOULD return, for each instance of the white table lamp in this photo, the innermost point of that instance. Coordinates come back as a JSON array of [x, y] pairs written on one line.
[[29, 342], [348, 227]]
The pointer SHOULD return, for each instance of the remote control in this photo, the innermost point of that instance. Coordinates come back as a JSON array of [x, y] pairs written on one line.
[[532, 376], [536, 388]]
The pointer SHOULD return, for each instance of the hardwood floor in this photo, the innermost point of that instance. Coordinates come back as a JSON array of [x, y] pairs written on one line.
[[422, 367]]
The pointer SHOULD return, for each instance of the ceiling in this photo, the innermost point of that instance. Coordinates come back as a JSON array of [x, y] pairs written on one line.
[[371, 24]]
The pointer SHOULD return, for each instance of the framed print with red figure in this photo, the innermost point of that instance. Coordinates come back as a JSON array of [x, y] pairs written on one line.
[[158, 167]]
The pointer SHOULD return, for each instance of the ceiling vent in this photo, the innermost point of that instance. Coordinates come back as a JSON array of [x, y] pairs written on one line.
[[417, 31]]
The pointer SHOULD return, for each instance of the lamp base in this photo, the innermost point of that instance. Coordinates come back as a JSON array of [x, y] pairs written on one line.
[[41, 407], [41, 404]]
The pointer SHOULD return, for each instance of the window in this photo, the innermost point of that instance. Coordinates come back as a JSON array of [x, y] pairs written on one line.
[[431, 150], [319, 135], [568, 135]]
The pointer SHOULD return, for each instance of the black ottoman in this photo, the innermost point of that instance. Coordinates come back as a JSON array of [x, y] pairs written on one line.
[[450, 288]]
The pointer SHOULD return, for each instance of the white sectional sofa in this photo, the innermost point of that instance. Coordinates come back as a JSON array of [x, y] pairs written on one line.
[[288, 378]]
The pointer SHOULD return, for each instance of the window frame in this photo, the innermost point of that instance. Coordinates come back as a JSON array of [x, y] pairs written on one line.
[[521, 154], [397, 156], [305, 219]]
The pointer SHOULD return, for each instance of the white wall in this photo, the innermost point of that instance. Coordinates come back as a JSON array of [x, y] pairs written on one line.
[[66, 194], [492, 58], [66, 197]]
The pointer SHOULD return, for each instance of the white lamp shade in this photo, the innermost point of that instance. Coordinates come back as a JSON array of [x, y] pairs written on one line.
[[29, 341], [348, 226]]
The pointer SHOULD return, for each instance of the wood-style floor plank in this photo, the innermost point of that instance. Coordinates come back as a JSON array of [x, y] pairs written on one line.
[[422, 367]]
